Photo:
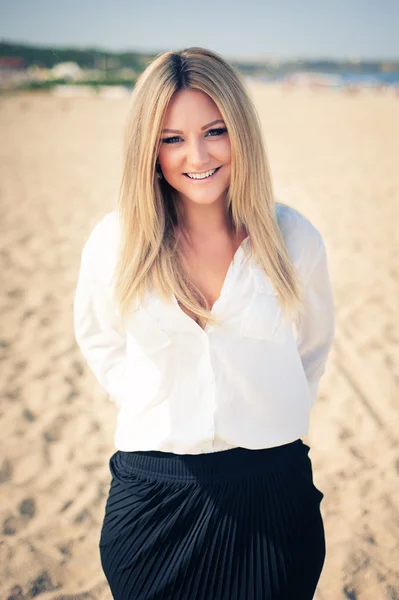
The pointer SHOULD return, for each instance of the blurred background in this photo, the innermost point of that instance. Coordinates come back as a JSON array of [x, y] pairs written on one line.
[[325, 79]]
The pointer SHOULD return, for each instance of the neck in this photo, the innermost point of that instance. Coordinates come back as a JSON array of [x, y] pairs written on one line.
[[203, 220]]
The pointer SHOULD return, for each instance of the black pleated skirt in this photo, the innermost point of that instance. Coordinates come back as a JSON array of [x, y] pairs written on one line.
[[238, 524]]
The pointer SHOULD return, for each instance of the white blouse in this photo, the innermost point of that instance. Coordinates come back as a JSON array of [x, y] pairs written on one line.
[[248, 381]]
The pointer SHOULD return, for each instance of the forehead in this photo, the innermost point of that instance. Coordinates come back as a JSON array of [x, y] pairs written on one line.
[[190, 107]]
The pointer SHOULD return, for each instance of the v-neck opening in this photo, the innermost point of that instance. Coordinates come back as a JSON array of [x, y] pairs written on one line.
[[222, 293]]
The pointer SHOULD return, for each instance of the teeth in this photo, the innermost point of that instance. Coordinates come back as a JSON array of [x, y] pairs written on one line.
[[202, 175]]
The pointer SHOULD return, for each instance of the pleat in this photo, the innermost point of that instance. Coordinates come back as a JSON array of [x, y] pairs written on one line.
[[225, 542], [250, 533], [273, 535]]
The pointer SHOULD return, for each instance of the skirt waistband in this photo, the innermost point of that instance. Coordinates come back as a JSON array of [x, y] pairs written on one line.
[[234, 461]]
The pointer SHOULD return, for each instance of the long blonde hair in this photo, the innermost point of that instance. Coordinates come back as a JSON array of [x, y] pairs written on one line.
[[149, 256]]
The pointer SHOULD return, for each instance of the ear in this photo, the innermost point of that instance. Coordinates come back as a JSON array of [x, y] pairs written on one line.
[[158, 171]]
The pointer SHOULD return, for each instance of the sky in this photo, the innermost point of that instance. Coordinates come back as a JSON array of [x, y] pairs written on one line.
[[337, 29]]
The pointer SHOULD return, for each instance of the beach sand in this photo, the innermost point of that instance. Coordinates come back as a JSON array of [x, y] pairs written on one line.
[[334, 156]]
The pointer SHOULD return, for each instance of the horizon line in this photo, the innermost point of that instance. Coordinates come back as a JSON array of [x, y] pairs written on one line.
[[244, 57]]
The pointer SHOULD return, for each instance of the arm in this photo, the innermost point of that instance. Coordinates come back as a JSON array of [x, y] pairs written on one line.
[[96, 328], [315, 326]]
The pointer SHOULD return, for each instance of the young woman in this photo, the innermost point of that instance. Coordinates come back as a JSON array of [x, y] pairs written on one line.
[[205, 310]]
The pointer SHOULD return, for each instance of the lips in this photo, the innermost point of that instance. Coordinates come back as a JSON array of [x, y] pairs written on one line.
[[202, 178]]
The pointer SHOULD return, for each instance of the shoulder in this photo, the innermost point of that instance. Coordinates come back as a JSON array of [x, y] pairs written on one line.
[[296, 228], [105, 230], [101, 246], [303, 240]]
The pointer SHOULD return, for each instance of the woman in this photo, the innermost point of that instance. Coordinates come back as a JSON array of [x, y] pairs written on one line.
[[205, 310]]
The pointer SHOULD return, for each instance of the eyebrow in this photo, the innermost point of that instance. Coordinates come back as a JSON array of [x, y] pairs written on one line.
[[202, 128]]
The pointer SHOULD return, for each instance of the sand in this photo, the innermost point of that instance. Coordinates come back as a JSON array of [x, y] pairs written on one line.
[[333, 156]]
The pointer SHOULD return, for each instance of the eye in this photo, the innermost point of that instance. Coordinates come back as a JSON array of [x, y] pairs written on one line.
[[170, 140], [217, 132]]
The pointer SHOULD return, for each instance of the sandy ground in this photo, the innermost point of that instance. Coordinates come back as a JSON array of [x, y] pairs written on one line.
[[334, 157]]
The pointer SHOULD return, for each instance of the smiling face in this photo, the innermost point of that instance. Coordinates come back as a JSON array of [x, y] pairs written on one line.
[[194, 152]]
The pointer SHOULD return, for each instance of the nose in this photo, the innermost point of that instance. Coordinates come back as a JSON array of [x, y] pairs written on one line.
[[197, 154]]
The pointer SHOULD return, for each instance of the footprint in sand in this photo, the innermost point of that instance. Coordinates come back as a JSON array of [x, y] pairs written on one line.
[[26, 511]]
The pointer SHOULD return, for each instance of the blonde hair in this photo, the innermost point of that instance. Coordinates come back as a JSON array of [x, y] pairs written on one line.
[[149, 256]]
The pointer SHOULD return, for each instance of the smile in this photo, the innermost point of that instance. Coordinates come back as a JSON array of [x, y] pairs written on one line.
[[205, 175]]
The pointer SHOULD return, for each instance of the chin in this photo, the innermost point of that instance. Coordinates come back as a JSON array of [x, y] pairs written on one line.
[[202, 196], [203, 199]]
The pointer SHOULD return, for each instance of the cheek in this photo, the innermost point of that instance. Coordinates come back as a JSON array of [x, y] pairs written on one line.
[[169, 161], [225, 153]]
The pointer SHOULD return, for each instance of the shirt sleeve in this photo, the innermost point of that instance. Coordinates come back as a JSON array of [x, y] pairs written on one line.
[[97, 329], [315, 326]]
